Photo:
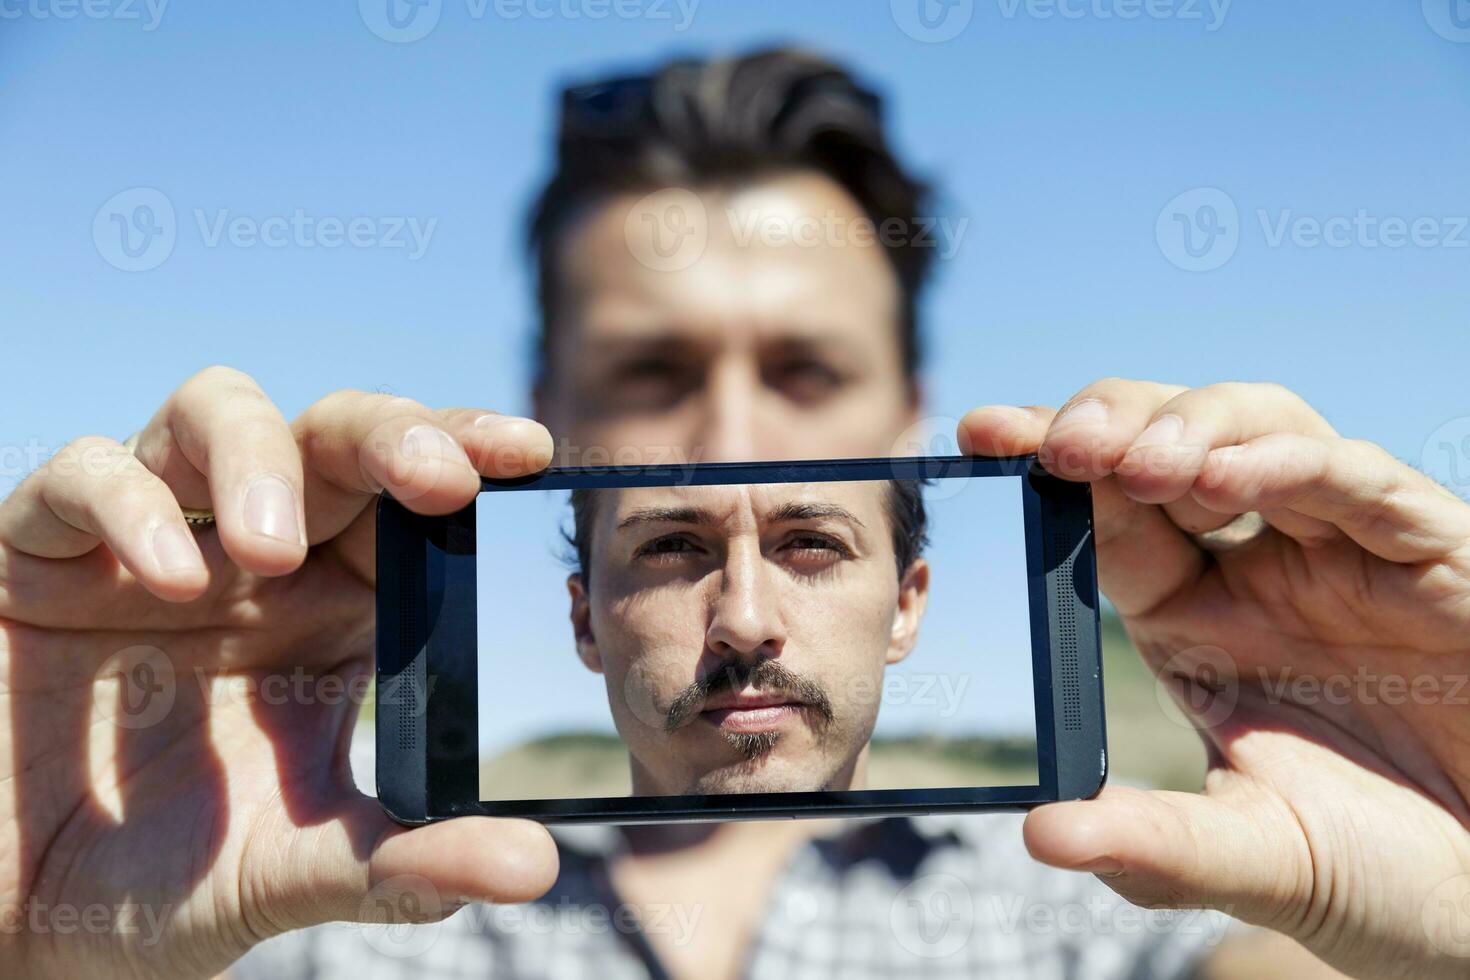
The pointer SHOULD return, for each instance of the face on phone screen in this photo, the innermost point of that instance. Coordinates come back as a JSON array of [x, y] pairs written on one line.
[[754, 638]]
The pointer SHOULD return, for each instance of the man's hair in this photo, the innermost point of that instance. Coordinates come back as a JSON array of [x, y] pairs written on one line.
[[907, 520], [695, 123]]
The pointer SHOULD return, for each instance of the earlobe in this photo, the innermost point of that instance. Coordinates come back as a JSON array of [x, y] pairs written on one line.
[[913, 599], [581, 617]]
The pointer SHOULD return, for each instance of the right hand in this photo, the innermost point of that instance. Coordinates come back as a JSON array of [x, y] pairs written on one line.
[[233, 816]]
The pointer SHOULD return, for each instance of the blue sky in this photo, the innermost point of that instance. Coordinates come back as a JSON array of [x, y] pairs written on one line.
[[1061, 131]]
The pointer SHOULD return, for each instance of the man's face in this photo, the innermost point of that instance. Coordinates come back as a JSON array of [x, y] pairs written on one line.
[[758, 349], [743, 631]]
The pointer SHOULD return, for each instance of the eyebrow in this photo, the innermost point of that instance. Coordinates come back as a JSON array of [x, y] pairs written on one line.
[[799, 511], [793, 511], [668, 515]]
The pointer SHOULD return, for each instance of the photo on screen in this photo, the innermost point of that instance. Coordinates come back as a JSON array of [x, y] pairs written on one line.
[[754, 638]]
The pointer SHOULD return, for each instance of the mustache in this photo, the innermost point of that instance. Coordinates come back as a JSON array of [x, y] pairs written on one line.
[[769, 676]]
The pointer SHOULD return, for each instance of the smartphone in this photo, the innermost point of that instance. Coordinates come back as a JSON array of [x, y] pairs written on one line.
[[741, 640]]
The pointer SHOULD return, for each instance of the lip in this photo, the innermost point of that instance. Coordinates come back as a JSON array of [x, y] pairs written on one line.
[[751, 719], [753, 711]]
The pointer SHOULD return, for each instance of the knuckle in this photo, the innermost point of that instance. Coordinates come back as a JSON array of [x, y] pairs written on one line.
[[215, 385], [87, 456]]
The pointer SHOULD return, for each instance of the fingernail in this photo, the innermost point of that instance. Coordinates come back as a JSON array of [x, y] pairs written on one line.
[[1166, 430], [174, 549], [270, 510], [1089, 412], [430, 442], [516, 427], [1107, 868]]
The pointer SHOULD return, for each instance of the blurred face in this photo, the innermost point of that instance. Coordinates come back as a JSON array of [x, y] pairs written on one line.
[[743, 631], [754, 346]]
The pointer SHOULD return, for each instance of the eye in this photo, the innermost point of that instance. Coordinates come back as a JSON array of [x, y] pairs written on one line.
[[805, 379], [670, 547], [811, 548], [651, 382]]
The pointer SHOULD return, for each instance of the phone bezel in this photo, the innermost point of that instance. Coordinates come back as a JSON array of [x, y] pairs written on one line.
[[427, 717]]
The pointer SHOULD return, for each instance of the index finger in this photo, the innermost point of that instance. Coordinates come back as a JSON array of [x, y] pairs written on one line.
[[356, 444]]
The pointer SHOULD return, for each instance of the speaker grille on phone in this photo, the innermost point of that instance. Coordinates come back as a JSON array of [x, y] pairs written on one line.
[[1069, 679], [403, 697]]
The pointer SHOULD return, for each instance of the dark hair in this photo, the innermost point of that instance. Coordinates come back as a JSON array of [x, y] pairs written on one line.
[[693, 122], [907, 520]]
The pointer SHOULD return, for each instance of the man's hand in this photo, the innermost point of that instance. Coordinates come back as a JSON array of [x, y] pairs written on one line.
[[1335, 807], [162, 822]]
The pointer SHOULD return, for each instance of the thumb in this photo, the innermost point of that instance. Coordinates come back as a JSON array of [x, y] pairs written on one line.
[[1003, 430], [1176, 850], [362, 867]]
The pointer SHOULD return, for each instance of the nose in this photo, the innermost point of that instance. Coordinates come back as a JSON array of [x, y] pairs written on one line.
[[727, 426], [745, 621]]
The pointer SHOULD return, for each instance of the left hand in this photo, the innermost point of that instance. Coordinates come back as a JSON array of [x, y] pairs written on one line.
[[1335, 804]]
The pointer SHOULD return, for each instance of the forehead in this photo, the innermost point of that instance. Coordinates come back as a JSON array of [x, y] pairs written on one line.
[[732, 505], [781, 258]]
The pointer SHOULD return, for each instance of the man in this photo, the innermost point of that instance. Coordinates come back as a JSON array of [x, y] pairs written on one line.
[[743, 631], [233, 819]]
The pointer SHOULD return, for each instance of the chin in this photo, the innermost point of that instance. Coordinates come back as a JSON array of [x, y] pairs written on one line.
[[764, 774]]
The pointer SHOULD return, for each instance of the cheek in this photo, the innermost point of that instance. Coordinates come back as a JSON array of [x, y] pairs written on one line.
[[843, 633], [653, 640]]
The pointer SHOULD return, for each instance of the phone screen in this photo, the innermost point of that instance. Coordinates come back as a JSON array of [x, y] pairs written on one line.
[[755, 638]]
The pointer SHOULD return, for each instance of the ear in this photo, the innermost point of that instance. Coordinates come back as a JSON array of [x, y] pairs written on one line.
[[581, 616], [913, 599]]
